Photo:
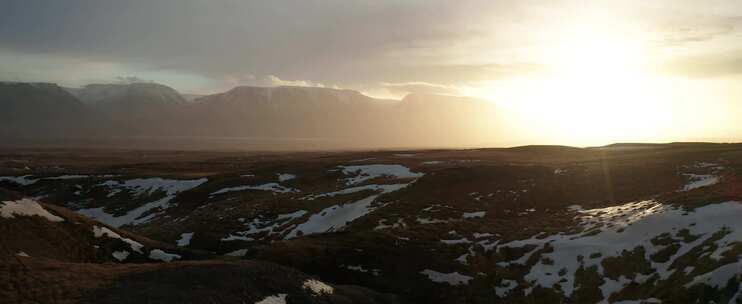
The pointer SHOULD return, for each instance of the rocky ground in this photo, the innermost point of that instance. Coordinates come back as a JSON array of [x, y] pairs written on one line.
[[538, 224]]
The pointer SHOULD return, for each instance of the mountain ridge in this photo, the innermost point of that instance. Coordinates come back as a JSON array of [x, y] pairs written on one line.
[[340, 118], [102, 93]]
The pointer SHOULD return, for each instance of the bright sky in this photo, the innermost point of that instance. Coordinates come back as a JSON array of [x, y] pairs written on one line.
[[571, 72]]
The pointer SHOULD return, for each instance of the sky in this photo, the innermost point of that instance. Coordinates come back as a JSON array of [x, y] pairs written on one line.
[[596, 70]]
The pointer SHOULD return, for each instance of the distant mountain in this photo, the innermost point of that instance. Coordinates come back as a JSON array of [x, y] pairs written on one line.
[[192, 97], [287, 112], [346, 116], [39, 110], [298, 117], [145, 93], [136, 109]]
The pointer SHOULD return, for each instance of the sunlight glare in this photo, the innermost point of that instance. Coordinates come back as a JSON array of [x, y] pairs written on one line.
[[598, 88]]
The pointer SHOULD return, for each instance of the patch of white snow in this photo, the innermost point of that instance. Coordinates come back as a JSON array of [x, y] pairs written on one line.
[[157, 254], [185, 239], [453, 279], [26, 207]]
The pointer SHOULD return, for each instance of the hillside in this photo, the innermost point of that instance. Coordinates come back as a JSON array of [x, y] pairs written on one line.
[[536, 224], [50, 254]]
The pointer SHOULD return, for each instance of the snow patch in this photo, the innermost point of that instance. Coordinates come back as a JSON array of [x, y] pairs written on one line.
[[120, 255], [453, 279], [104, 231], [237, 253], [456, 242], [272, 187], [363, 173], [346, 191], [133, 217], [336, 217], [263, 225], [185, 239], [505, 287], [700, 180], [362, 160], [477, 214], [282, 177], [719, 277], [318, 287], [63, 177], [383, 225], [644, 301], [24, 180], [360, 268], [427, 220], [138, 187], [277, 299], [609, 232], [157, 254], [26, 207]]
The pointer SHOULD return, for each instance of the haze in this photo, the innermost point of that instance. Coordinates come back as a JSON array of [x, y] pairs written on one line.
[[560, 72]]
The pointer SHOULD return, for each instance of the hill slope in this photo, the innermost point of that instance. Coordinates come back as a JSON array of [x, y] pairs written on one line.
[[536, 224], [50, 254]]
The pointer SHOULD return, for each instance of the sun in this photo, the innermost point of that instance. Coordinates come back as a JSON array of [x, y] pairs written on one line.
[[598, 88]]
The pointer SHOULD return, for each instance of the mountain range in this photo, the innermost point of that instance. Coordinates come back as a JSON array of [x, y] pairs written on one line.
[[277, 117]]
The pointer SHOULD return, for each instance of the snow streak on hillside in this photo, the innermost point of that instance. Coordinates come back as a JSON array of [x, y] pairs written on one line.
[[141, 187], [660, 234], [335, 218], [26, 207]]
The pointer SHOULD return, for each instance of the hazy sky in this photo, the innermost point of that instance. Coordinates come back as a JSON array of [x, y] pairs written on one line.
[[674, 63]]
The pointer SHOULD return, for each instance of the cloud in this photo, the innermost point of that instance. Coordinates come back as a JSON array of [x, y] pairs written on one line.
[[275, 81], [243, 42], [130, 79], [422, 88], [234, 80], [296, 40], [698, 31], [706, 66]]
